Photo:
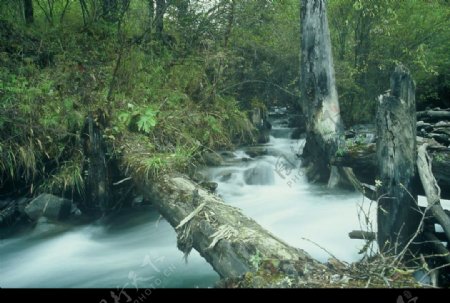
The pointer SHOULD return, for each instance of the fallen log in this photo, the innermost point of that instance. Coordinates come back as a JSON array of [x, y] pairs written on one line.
[[433, 115], [432, 189], [362, 159], [226, 238]]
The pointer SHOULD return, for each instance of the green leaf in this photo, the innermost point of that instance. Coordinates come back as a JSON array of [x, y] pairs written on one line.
[[147, 121]]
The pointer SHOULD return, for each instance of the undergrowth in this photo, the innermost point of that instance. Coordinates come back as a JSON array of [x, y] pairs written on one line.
[[52, 78]]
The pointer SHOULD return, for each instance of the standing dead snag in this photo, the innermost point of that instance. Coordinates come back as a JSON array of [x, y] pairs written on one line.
[[398, 215], [318, 89]]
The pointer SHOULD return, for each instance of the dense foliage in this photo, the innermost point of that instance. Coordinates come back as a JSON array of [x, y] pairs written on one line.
[[182, 74]]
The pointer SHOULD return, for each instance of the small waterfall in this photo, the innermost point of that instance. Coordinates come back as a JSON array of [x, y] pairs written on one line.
[[262, 174]]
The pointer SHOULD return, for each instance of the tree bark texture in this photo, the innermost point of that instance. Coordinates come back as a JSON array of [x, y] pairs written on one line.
[[398, 216], [318, 90]]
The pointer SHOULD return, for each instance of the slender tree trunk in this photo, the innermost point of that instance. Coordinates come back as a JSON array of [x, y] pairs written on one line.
[[398, 214], [319, 96], [63, 14], [97, 179], [159, 17], [362, 50], [84, 11], [230, 22], [28, 11], [151, 11]]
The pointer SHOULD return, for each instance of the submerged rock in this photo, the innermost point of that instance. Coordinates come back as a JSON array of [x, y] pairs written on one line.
[[262, 174], [228, 154], [256, 151], [48, 206]]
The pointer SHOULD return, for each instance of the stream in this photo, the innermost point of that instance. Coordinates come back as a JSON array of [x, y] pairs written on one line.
[[136, 248]]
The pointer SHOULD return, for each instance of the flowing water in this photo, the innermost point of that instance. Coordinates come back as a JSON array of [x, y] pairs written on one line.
[[137, 248]]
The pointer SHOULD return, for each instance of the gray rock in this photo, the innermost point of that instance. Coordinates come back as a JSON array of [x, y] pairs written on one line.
[[212, 159], [211, 186], [228, 154], [48, 206], [256, 151], [198, 177], [263, 174], [4, 203]]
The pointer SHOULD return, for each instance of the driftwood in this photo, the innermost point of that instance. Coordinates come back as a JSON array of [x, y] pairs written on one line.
[[230, 241], [397, 216], [432, 189], [362, 235]]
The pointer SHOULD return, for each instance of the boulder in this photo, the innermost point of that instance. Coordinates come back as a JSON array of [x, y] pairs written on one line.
[[262, 174], [212, 159], [48, 206], [210, 186], [256, 151], [228, 154]]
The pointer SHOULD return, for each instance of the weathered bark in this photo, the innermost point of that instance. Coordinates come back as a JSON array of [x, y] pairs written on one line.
[[432, 190], [318, 89], [398, 216], [225, 237], [28, 11], [97, 180]]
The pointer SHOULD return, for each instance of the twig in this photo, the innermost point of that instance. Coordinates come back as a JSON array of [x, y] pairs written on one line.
[[121, 181], [322, 248]]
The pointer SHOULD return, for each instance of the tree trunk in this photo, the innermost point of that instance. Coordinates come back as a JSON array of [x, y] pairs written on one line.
[[227, 239], [159, 18], [398, 215], [28, 11], [97, 178], [230, 22], [151, 10], [319, 95]]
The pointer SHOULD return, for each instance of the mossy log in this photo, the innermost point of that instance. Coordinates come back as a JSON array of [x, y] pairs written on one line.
[[230, 241]]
